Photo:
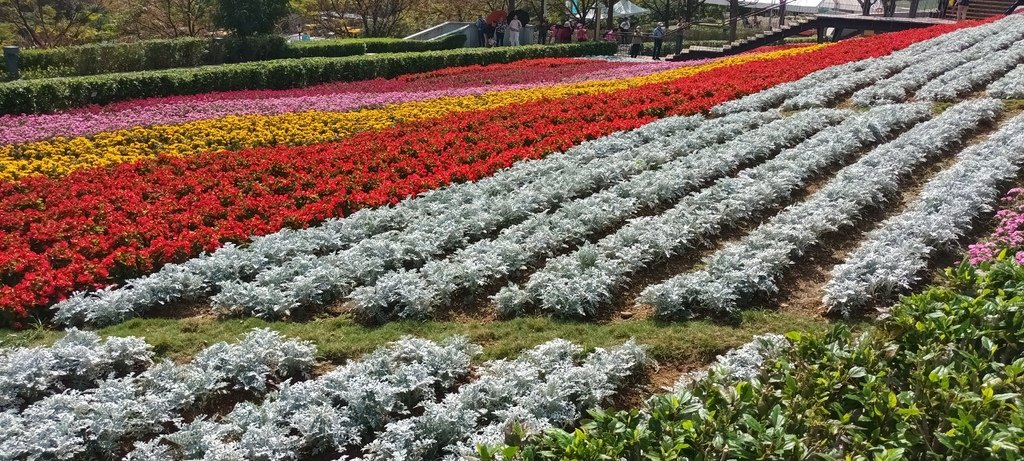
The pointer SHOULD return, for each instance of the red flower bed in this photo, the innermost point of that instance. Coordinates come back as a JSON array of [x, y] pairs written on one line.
[[96, 227]]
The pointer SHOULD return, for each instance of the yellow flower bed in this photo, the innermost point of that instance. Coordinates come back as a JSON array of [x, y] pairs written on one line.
[[59, 156]]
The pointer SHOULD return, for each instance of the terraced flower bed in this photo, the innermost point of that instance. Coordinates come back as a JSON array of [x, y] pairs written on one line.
[[246, 265]]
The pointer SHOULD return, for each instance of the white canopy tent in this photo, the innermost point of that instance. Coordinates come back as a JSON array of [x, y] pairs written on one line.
[[621, 9]]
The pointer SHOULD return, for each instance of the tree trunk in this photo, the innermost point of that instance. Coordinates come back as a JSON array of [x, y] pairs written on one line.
[[610, 21], [734, 12], [913, 7]]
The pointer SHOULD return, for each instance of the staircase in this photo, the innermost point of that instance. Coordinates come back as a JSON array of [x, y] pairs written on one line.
[[793, 26], [837, 25], [981, 9]]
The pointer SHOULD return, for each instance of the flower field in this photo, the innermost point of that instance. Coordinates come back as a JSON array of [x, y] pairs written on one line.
[[97, 226], [821, 180]]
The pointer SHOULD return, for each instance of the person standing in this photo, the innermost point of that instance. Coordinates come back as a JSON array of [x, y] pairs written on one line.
[[481, 27], [658, 35], [961, 9], [582, 34], [499, 33], [489, 34], [514, 27], [624, 28], [638, 43], [542, 31]]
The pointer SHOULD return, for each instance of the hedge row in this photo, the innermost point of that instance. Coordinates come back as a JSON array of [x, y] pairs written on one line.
[[335, 48], [47, 95], [193, 52]]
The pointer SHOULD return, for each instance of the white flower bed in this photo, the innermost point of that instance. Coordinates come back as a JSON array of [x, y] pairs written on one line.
[[311, 282], [416, 293], [95, 422], [412, 386], [331, 413], [739, 364], [543, 388], [893, 255], [1011, 86], [826, 93], [76, 361], [751, 266], [772, 97], [959, 48], [969, 77], [578, 284], [914, 66]]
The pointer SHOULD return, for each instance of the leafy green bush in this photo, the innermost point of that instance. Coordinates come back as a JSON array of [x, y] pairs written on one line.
[[941, 378], [326, 48], [249, 17], [193, 52], [116, 57], [45, 95]]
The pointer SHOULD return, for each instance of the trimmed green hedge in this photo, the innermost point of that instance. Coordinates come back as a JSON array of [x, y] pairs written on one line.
[[336, 48], [47, 95], [194, 52]]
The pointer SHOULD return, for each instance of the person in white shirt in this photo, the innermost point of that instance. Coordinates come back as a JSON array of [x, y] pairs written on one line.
[[658, 35], [514, 26]]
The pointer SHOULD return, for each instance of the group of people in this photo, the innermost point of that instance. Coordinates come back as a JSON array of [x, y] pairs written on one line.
[[495, 33], [636, 36], [566, 32], [507, 32]]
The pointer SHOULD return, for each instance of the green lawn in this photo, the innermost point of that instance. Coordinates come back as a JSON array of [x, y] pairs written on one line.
[[340, 338]]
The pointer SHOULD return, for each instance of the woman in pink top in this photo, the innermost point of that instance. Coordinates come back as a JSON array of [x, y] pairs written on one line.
[[582, 34]]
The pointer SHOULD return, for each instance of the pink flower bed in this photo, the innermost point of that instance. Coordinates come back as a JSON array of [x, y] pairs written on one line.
[[1009, 233], [331, 97]]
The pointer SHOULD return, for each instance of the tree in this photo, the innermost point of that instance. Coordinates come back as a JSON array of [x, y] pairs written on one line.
[[430, 12], [380, 18], [47, 23], [166, 18], [580, 8], [377, 18], [668, 11], [609, 20], [250, 17]]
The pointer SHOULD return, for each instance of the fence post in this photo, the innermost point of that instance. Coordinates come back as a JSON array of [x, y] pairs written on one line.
[[11, 58]]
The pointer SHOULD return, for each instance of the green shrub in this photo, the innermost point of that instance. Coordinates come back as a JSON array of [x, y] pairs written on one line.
[[942, 378], [46, 95], [325, 48], [252, 48], [249, 17], [115, 57], [194, 52]]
